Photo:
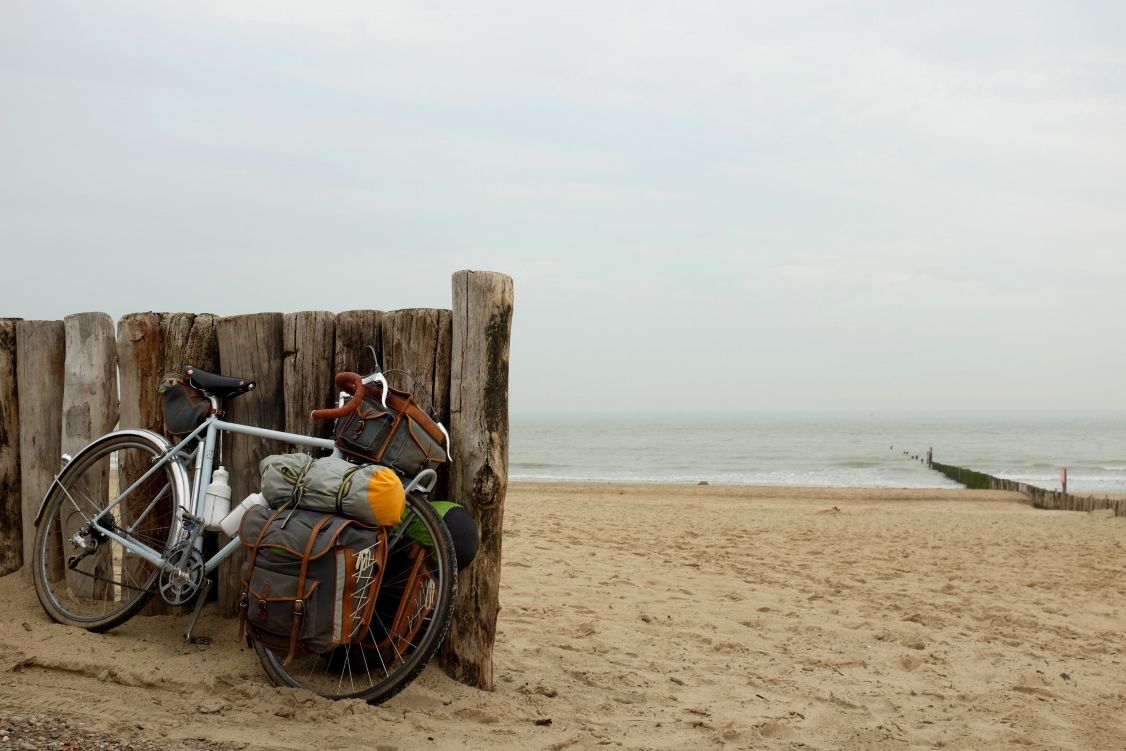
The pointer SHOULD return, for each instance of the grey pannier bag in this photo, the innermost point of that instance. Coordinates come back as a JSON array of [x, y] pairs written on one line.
[[310, 579], [370, 493]]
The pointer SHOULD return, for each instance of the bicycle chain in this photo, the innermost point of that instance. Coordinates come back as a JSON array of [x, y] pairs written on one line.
[[95, 577]]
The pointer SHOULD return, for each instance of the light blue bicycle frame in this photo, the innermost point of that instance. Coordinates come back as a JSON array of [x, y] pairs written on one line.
[[187, 517], [204, 465], [204, 456]]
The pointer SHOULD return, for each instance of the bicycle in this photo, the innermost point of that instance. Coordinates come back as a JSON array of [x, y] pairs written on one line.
[[123, 521]]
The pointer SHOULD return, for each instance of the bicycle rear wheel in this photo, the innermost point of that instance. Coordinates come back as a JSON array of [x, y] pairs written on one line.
[[412, 614], [83, 577]]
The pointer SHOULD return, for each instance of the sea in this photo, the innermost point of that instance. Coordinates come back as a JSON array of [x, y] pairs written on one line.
[[826, 449]]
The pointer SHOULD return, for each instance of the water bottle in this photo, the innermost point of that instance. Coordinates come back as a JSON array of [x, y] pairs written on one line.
[[217, 500], [230, 525]]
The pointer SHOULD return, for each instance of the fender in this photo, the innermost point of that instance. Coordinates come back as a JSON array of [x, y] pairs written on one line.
[[181, 484]]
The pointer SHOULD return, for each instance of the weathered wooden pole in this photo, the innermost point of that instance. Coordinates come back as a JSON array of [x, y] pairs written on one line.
[[482, 329], [190, 339], [443, 362], [90, 409], [309, 343], [90, 403], [185, 339], [250, 346], [410, 344], [140, 360], [140, 348], [355, 330], [11, 506], [416, 359], [40, 357]]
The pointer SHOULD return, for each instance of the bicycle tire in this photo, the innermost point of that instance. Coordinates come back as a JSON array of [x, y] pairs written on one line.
[[108, 584], [369, 665]]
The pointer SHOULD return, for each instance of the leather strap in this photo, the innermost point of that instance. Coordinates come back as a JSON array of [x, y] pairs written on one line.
[[345, 486], [299, 603]]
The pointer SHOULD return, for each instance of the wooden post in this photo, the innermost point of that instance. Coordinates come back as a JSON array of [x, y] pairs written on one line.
[[482, 328], [190, 339], [355, 330], [40, 348], [309, 352], [140, 358], [149, 346], [250, 346], [90, 409], [410, 345], [186, 339], [140, 345], [11, 507], [90, 404], [442, 364], [416, 358]]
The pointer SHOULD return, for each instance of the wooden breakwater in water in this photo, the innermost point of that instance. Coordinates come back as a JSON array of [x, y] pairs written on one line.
[[1040, 497]]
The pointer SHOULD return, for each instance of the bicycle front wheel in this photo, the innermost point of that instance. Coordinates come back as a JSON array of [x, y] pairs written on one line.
[[412, 614], [82, 576]]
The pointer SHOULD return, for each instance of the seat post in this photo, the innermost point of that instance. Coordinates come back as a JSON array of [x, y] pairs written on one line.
[[217, 410]]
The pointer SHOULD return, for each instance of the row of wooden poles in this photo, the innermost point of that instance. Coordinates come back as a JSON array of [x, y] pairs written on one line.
[[59, 389], [1039, 497]]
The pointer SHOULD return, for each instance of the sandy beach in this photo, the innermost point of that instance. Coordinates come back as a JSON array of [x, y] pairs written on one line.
[[673, 617]]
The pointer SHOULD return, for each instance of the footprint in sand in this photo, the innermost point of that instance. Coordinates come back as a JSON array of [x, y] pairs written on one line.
[[732, 733], [910, 663], [476, 715], [774, 729]]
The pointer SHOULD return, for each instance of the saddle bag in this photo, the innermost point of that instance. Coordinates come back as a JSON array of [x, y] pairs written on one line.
[[310, 579], [184, 407], [401, 435]]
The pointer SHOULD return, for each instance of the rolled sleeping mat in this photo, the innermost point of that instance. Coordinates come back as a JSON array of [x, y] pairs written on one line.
[[462, 529], [368, 493]]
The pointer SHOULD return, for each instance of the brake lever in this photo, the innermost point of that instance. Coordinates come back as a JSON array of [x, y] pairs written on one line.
[[377, 377], [449, 443]]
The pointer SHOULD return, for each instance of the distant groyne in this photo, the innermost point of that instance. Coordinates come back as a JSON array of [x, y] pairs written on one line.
[[1040, 498]]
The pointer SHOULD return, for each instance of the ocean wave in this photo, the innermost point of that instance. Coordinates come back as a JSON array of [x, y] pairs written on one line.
[[810, 478], [823, 450]]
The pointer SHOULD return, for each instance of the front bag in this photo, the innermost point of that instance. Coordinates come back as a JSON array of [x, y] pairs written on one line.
[[400, 435]]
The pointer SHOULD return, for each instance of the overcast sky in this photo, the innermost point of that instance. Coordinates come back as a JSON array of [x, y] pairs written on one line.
[[703, 205]]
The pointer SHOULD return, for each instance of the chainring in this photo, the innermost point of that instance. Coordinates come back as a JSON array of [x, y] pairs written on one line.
[[182, 574]]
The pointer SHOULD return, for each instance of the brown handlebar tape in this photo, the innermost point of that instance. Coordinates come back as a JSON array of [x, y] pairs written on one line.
[[353, 383]]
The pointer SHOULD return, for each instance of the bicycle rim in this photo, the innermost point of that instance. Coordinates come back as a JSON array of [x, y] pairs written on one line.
[[413, 613], [84, 578]]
